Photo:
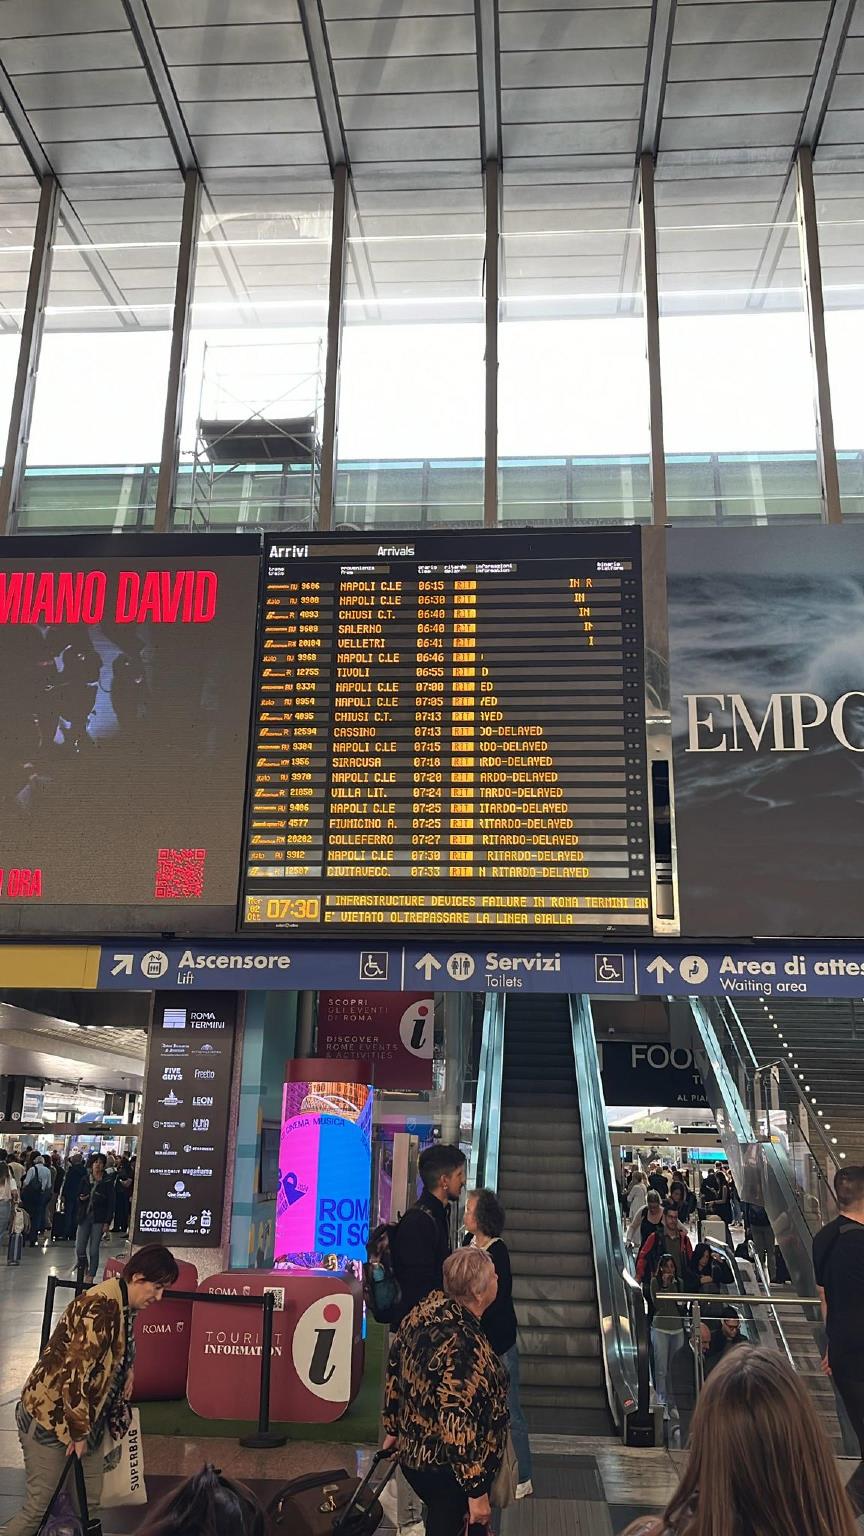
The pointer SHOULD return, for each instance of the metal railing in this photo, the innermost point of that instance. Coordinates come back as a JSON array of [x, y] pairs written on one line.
[[623, 1317], [485, 1143]]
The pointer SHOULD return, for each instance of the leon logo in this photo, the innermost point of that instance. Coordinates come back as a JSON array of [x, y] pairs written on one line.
[[417, 1028], [321, 1347]]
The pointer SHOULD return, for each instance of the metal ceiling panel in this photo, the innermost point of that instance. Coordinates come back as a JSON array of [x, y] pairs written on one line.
[[84, 88], [420, 144], [246, 151], [567, 67], [264, 44], [241, 82], [449, 109], [751, 131], [543, 30], [848, 93], [844, 128], [209, 13], [722, 98], [45, 18], [65, 125], [377, 10], [367, 77], [117, 155], [742, 61], [431, 36], [560, 105], [750, 20], [80, 51], [543, 139], [249, 117]]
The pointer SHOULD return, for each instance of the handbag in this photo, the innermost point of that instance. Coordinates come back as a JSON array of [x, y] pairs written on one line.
[[67, 1513], [123, 1482], [503, 1490]]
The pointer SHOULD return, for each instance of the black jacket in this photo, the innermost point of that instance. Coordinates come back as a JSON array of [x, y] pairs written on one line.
[[104, 1195], [419, 1247], [499, 1321]]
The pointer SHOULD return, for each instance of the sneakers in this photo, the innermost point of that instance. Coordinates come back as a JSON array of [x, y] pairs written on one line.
[[524, 1489]]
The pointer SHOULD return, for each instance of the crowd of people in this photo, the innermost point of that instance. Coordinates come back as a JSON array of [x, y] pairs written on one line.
[[79, 1199], [759, 1462]]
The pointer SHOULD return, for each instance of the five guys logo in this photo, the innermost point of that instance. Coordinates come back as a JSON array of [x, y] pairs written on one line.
[[82, 597], [321, 1347]]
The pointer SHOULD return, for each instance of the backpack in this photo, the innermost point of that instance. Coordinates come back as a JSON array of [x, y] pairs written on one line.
[[382, 1292]]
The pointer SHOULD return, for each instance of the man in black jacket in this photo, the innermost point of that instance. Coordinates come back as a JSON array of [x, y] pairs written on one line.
[[838, 1259], [422, 1239]]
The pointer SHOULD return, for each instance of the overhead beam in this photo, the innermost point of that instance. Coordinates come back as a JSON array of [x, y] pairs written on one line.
[[830, 53], [32, 326], [651, 303], [181, 322], [487, 33], [153, 59], [811, 267], [492, 180], [324, 81], [656, 75], [332, 368]]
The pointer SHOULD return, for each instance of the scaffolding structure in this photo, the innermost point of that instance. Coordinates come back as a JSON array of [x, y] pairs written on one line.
[[260, 405]]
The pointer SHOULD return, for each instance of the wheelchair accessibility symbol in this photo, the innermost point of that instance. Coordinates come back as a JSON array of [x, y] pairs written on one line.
[[608, 968], [373, 965]]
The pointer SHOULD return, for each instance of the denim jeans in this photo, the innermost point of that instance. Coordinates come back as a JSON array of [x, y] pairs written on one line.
[[87, 1241], [665, 1346], [518, 1427]]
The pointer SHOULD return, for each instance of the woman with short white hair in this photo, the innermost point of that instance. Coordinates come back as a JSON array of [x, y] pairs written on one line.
[[445, 1402]]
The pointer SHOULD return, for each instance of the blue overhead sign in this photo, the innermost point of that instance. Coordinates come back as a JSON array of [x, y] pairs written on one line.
[[658, 970]]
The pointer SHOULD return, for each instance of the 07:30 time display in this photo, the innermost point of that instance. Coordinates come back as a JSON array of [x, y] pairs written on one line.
[[293, 909]]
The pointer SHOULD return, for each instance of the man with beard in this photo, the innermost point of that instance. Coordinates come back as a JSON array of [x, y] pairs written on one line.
[[422, 1239]]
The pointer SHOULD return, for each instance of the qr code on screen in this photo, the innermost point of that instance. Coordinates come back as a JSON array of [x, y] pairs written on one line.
[[180, 874]]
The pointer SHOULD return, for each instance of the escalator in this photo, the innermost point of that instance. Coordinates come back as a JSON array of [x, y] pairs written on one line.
[[541, 1140], [780, 1159], [541, 1180]]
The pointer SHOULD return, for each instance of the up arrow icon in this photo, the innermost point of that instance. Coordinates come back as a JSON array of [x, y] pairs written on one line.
[[427, 964], [660, 968]]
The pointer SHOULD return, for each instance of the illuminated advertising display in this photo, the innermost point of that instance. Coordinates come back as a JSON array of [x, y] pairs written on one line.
[[395, 1031], [449, 733], [325, 1174], [180, 1174], [125, 686]]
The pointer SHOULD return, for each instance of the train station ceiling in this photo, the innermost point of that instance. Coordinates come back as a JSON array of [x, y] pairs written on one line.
[[118, 98]]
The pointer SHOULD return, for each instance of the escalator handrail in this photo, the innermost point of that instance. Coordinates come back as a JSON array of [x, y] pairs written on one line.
[[770, 1066], [485, 1140], [622, 1305], [728, 1007]]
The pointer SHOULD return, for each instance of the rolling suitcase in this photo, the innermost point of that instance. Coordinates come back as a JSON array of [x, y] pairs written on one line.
[[332, 1503], [16, 1237]]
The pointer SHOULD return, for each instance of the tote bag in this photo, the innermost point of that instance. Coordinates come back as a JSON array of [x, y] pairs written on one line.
[[124, 1482], [503, 1490]]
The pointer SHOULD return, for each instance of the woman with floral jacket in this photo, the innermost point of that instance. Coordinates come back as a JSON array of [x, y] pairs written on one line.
[[78, 1392]]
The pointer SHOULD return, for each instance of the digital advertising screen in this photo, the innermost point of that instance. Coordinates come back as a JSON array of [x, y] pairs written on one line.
[[449, 732], [765, 646], [126, 669], [180, 1176], [325, 1176]]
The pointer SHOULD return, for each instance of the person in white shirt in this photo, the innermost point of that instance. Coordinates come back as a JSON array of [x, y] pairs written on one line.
[[35, 1194]]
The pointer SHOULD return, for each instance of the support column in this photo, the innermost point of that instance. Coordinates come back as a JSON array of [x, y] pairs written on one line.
[[811, 268], [332, 367], [189, 228], [305, 1045], [30, 346], [651, 302], [492, 177]]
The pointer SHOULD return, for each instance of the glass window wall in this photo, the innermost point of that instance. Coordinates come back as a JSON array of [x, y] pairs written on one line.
[[103, 369], [573, 380], [253, 408], [840, 208], [18, 209], [411, 410], [738, 415]]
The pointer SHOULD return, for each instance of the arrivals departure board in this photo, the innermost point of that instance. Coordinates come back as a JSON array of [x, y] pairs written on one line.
[[450, 733]]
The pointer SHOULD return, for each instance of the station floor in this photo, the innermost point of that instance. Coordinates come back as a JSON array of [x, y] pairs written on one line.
[[583, 1487]]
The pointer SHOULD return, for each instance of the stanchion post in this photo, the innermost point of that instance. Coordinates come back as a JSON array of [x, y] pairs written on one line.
[[264, 1438], [48, 1311], [79, 1276]]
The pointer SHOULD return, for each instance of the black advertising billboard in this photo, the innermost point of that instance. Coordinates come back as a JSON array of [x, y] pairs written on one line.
[[182, 1152], [125, 693], [766, 642], [450, 733]]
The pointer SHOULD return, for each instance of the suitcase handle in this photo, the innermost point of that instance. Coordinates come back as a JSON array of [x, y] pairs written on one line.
[[373, 1466]]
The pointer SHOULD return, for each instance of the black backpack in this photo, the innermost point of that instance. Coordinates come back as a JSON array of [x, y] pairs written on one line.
[[381, 1289]]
